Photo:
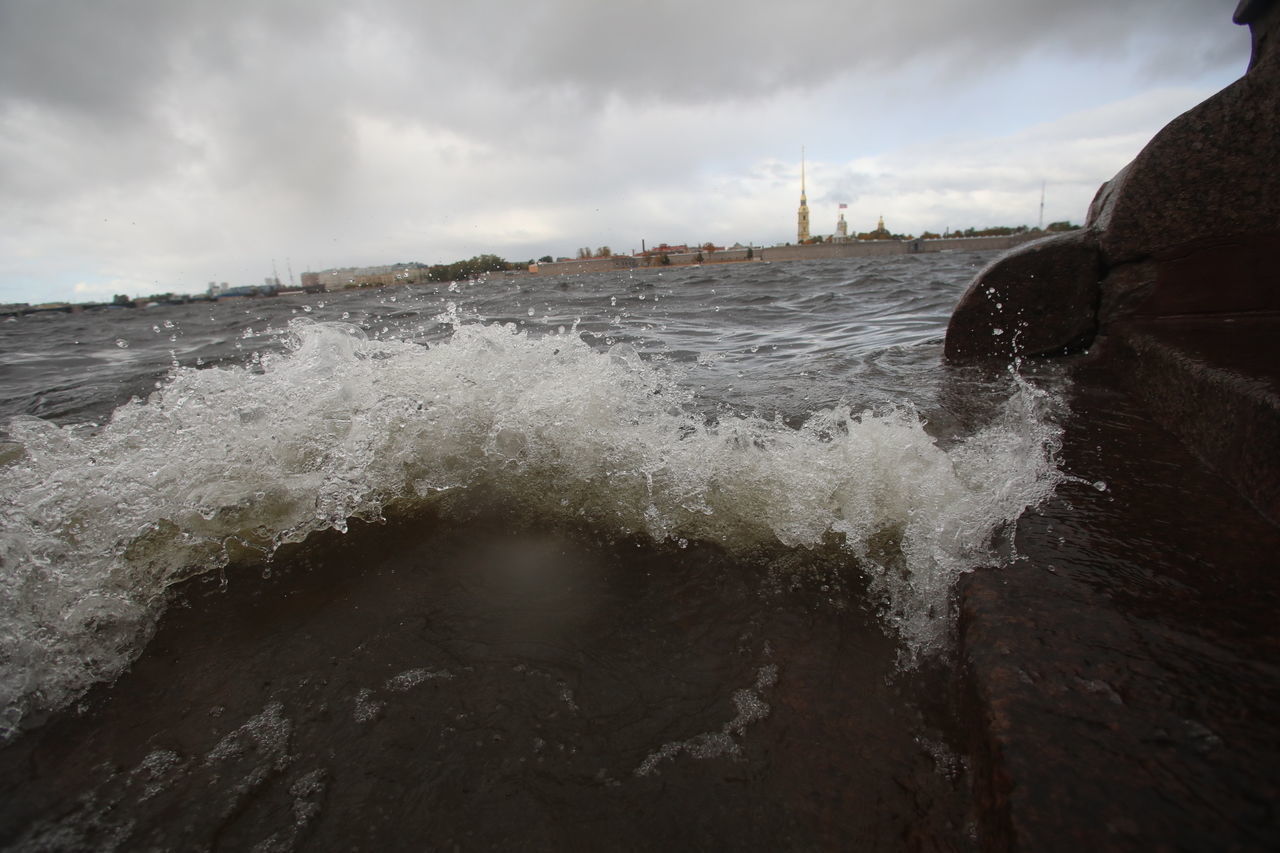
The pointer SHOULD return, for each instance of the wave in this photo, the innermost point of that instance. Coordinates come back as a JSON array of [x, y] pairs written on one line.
[[225, 463]]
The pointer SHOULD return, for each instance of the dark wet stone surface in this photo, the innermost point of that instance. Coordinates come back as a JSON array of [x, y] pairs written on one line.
[[1207, 176], [1228, 276], [1125, 673], [1215, 383], [427, 686], [1038, 299], [1188, 227]]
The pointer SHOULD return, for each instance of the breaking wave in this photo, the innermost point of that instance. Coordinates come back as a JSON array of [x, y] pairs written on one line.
[[222, 464]]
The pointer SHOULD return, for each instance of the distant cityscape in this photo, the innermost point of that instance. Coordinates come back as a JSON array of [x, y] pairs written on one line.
[[879, 241]]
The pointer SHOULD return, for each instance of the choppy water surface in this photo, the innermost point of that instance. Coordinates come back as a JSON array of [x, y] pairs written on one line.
[[626, 556]]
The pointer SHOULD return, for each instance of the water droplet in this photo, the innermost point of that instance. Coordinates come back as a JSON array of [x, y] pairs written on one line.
[[1100, 485], [997, 331], [122, 343], [530, 312]]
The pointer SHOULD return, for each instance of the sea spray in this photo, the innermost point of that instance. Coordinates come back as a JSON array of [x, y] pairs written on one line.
[[99, 521]]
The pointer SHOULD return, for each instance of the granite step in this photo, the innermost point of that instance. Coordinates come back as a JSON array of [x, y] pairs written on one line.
[[1214, 381]]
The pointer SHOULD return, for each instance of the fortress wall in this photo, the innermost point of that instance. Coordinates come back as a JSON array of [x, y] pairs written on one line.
[[822, 251], [817, 251], [883, 248], [942, 244], [726, 255], [374, 276], [584, 265]]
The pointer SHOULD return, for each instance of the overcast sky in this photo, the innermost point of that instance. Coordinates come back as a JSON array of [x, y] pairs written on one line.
[[158, 145]]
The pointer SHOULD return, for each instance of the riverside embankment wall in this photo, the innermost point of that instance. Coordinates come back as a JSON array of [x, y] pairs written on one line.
[[817, 251]]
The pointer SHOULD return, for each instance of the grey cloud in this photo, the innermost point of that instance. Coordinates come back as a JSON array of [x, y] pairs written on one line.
[[528, 73], [114, 58], [681, 51], [264, 99], [137, 90], [79, 57], [845, 187]]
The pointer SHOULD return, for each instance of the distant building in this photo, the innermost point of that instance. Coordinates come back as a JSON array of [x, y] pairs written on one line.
[[881, 233], [664, 249], [342, 278], [842, 227]]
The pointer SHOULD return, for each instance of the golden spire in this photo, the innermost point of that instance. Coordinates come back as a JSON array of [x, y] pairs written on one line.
[[802, 216], [801, 173]]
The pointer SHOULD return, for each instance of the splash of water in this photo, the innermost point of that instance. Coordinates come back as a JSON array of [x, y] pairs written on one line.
[[99, 521]]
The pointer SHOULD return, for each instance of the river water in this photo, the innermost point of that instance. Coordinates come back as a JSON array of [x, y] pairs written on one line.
[[631, 560]]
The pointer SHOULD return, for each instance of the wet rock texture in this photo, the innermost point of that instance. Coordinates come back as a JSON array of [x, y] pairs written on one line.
[[1124, 691], [1123, 685], [425, 685], [1039, 300], [1215, 383]]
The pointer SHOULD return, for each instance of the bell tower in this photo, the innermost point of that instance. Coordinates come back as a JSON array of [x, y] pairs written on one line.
[[802, 216]]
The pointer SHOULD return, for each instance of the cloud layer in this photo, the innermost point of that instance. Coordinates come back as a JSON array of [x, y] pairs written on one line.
[[158, 145]]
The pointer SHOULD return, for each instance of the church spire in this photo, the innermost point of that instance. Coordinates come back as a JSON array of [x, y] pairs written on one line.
[[802, 216]]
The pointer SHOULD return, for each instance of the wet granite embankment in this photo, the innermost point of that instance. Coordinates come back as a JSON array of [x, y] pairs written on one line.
[[1123, 676]]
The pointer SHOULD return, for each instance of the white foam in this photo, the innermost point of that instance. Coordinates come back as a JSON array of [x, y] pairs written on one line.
[[245, 762], [411, 678], [750, 707], [367, 708], [98, 522], [264, 737]]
